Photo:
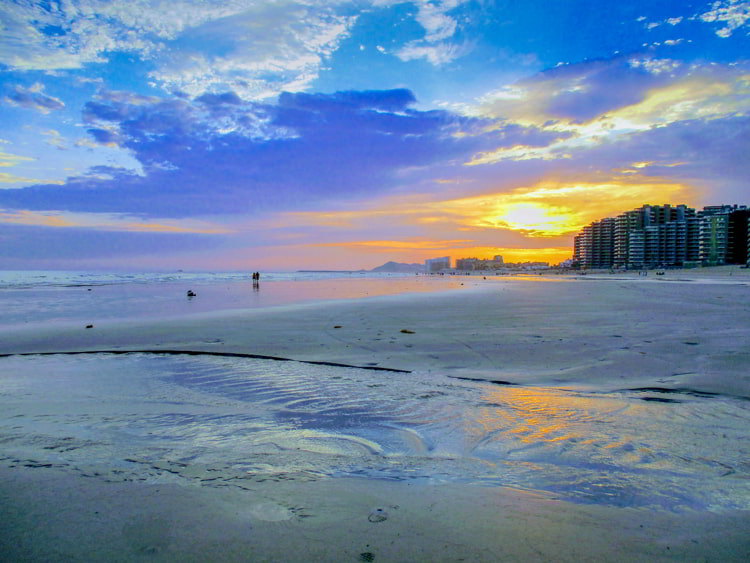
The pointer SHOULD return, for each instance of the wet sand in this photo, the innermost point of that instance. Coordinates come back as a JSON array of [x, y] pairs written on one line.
[[52, 517], [605, 334]]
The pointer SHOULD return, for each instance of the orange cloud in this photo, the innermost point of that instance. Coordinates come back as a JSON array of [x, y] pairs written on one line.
[[24, 217], [515, 223], [103, 221], [389, 245]]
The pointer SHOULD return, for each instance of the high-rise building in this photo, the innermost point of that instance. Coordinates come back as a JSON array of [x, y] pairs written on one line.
[[594, 247], [723, 234], [739, 241], [650, 236], [437, 264]]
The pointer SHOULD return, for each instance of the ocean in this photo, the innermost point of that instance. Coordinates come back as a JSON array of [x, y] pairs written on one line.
[[29, 297]]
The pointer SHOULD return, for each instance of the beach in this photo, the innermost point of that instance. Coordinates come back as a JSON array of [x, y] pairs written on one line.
[[476, 418]]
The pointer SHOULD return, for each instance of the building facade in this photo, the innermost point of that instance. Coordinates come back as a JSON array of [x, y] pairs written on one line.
[[437, 264], [724, 234], [651, 236], [657, 236]]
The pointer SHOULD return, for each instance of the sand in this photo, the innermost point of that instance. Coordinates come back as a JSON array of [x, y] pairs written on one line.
[[606, 332], [680, 332]]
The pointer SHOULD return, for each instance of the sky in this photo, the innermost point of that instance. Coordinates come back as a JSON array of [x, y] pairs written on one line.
[[284, 135]]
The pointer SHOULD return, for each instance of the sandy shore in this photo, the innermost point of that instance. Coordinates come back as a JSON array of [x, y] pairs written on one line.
[[591, 333], [49, 516], [609, 333]]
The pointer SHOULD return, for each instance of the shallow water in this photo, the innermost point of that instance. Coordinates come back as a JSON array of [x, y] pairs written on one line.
[[28, 298], [224, 421]]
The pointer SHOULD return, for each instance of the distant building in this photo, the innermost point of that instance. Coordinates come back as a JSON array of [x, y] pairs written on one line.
[[724, 234], [594, 247], [437, 264], [651, 236], [666, 235], [473, 264], [468, 263]]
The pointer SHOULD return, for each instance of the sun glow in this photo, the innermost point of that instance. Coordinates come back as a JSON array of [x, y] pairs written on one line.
[[534, 217]]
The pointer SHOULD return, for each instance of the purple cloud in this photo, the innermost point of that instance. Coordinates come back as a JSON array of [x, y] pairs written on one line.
[[103, 136], [33, 98], [55, 247], [584, 91], [250, 158]]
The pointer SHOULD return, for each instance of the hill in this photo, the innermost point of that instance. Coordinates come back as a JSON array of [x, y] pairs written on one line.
[[399, 267]]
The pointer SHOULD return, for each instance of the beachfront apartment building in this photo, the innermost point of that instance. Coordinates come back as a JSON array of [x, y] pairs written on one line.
[[656, 235], [473, 264], [437, 264], [594, 247], [724, 234], [666, 235]]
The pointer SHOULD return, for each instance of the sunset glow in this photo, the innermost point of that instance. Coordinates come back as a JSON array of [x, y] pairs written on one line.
[[343, 135]]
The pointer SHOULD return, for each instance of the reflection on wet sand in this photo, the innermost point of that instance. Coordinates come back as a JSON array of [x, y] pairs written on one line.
[[226, 420]]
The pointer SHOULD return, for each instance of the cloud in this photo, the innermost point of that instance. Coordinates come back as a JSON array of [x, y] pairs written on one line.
[[708, 152], [252, 47], [54, 139], [604, 101], [436, 54], [435, 21], [440, 28], [107, 222], [44, 247], [7, 159], [571, 92], [219, 155], [7, 178], [263, 50], [733, 14], [33, 98], [540, 218]]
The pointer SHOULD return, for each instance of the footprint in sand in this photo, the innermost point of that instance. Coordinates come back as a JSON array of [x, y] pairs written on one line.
[[378, 515], [270, 512], [148, 536]]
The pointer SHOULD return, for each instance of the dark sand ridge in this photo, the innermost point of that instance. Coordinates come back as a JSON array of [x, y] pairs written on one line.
[[610, 334]]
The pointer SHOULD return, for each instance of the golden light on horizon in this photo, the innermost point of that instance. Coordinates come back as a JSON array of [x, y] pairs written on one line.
[[533, 217], [533, 223]]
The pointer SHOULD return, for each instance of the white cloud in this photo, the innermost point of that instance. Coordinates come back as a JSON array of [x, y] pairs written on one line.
[[656, 66], [439, 54], [732, 13], [440, 28], [435, 22], [195, 46]]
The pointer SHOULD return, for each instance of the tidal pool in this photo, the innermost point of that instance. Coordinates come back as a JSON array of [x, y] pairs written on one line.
[[225, 421]]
